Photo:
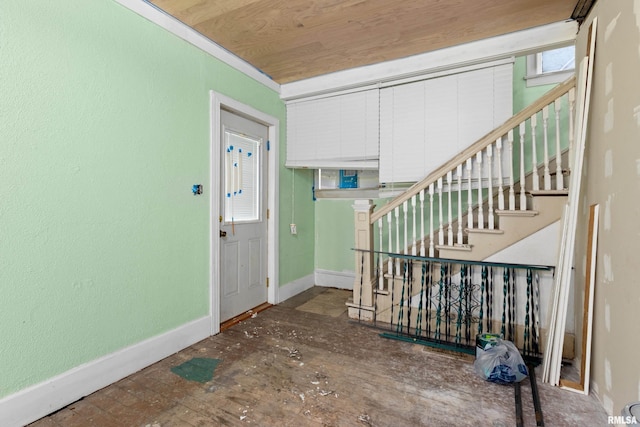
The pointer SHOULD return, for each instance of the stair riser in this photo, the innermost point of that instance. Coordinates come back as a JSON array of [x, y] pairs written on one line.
[[515, 228]]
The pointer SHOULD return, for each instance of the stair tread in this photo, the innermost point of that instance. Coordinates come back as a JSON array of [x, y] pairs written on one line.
[[456, 247], [527, 212], [558, 193], [484, 230]]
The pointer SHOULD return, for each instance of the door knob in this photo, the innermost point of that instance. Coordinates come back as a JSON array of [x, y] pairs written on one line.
[[223, 233]]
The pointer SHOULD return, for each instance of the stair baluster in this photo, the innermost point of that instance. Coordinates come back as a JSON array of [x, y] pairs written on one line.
[[459, 174], [480, 196], [523, 196], [491, 219], [500, 188], [431, 244], [534, 152], [469, 195], [413, 218], [449, 209], [390, 245], [512, 193], [422, 252], [380, 273], [440, 214], [545, 127], [397, 218], [405, 225]]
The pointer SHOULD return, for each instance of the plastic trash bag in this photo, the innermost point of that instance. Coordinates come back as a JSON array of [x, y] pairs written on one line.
[[501, 364]]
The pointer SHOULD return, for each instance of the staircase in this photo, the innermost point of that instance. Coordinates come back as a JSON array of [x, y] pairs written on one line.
[[543, 209], [504, 187]]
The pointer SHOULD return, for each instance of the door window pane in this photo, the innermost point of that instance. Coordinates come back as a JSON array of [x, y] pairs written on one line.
[[242, 177]]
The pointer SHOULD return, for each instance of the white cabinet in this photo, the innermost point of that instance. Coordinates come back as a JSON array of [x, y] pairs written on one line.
[[403, 129], [424, 124], [338, 132]]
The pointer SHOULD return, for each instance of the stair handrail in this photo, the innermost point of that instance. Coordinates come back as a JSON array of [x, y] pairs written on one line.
[[476, 147]]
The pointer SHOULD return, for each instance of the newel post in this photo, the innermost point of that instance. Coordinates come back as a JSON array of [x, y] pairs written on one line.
[[361, 306]]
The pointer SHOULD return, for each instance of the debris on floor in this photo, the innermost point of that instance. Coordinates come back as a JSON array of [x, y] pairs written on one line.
[[198, 369], [365, 419]]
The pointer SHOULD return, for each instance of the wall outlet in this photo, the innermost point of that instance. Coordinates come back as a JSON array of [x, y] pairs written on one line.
[[294, 229]]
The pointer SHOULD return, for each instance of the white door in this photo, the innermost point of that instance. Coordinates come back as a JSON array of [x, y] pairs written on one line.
[[243, 222]]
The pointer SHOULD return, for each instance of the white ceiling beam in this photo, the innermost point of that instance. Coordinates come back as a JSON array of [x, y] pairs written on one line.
[[490, 49], [188, 34]]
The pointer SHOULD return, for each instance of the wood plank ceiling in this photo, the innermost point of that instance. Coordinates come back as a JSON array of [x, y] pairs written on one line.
[[291, 40]]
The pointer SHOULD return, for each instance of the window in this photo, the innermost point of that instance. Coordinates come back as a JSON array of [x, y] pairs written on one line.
[[242, 177], [550, 66]]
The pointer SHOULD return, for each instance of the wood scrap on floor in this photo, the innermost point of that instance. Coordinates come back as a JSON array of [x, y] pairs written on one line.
[[555, 340], [587, 317]]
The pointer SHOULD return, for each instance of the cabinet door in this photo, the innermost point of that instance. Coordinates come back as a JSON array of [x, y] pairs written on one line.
[[339, 132], [424, 124]]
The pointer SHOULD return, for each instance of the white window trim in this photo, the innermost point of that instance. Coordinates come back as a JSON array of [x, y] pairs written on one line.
[[535, 77]]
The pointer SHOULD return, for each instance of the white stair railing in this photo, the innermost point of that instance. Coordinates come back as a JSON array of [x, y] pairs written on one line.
[[486, 169]]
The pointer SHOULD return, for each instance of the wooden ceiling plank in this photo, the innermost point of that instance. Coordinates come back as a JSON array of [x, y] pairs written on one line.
[[194, 12], [291, 39]]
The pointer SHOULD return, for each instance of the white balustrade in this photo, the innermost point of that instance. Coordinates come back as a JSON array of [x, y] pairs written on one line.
[[480, 169]]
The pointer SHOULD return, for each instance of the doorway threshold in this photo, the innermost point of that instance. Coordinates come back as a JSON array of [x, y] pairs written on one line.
[[244, 316]]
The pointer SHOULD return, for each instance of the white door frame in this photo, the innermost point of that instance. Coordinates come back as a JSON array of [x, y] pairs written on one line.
[[218, 102]]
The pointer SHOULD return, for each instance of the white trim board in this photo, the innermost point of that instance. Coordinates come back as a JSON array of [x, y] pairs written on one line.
[[188, 34], [39, 400], [490, 49], [426, 75], [295, 287], [335, 279], [219, 101]]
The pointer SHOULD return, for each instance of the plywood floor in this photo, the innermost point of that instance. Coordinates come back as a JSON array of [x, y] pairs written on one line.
[[304, 363]]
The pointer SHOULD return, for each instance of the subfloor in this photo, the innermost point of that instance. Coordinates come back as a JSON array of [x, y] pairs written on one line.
[[305, 363]]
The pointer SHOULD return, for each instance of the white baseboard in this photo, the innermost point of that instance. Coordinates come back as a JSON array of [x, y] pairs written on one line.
[[335, 279], [294, 288], [39, 400]]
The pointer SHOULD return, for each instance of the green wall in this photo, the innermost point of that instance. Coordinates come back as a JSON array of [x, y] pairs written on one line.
[[297, 251], [104, 127], [523, 96], [335, 235]]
